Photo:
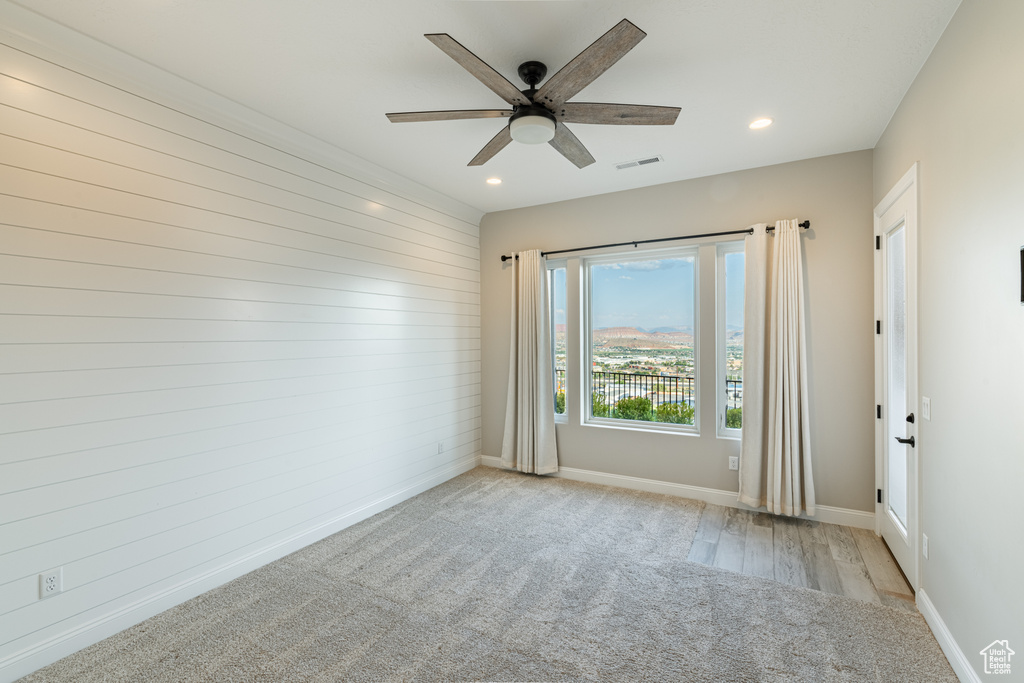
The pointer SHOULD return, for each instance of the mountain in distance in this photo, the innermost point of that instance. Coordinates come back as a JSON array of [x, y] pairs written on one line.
[[637, 338], [687, 330], [655, 338]]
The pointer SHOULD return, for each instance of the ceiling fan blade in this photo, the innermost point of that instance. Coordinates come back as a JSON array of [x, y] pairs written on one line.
[[415, 116], [622, 114], [476, 66], [589, 64], [497, 143], [570, 147]]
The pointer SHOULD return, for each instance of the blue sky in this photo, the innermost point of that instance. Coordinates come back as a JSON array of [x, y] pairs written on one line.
[[558, 292], [734, 289], [651, 294], [648, 294]]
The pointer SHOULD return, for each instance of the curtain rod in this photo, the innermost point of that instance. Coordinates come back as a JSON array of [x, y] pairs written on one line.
[[746, 231]]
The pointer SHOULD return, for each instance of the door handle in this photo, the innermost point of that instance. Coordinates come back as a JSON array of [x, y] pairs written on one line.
[[910, 441]]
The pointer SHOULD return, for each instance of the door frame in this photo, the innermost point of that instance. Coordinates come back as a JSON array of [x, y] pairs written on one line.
[[903, 197]]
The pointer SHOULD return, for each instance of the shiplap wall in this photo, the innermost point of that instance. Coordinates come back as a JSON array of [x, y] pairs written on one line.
[[212, 351]]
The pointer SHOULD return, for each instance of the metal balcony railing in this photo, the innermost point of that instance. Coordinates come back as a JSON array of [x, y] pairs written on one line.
[[733, 393], [611, 387]]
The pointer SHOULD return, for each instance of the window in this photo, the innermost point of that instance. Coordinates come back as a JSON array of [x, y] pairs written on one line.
[[641, 348], [557, 325], [730, 338]]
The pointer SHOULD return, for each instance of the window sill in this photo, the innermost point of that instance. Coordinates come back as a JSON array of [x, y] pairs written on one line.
[[657, 428]]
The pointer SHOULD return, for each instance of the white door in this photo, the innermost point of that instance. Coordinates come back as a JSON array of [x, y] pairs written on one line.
[[896, 447]]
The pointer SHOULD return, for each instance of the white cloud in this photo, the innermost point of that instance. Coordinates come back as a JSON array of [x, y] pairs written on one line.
[[660, 264]]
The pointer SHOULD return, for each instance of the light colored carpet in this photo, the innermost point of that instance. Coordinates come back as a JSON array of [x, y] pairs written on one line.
[[501, 576]]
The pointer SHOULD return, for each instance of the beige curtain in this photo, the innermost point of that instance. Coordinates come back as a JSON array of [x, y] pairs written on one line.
[[775, 456], [529, 443]]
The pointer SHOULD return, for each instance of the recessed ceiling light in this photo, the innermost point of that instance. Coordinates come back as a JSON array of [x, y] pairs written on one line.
[[760, 123], [494, 181]]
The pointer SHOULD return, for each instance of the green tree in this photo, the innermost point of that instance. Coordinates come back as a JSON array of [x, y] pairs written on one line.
[[560, 403], [675, 413], [633, 408], [734, 418], [598, 408]]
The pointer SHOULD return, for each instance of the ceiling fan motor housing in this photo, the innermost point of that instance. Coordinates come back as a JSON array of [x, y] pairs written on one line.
[[532, 123]]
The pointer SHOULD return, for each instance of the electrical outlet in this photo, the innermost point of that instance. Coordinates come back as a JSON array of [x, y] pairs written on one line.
[[51, 582], [440, 447], [924, 545], [734, 462], [926, 408]]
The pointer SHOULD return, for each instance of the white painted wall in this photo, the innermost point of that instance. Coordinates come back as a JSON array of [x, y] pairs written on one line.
[[219, 340], [835, 194], [961, 121]]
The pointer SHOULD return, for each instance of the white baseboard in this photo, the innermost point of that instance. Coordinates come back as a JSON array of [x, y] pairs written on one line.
[[30, 659], [823, 513], [957, 659]]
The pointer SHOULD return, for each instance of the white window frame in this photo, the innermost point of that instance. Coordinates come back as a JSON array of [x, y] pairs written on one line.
[[586, 355], [721, 402], [553, 265]]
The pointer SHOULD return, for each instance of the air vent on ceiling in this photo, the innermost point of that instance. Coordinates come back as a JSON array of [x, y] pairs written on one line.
[[639, 162]]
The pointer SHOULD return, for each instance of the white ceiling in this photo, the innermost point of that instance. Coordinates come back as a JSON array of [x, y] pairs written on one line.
[[830, 72]]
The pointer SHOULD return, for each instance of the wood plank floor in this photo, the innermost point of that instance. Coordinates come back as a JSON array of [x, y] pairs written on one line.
[[801, 552]]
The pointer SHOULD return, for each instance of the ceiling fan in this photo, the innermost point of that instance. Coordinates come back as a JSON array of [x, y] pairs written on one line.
[[540, 115]]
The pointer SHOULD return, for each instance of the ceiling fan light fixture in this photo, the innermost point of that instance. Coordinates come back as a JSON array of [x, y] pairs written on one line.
[[532, 128]]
